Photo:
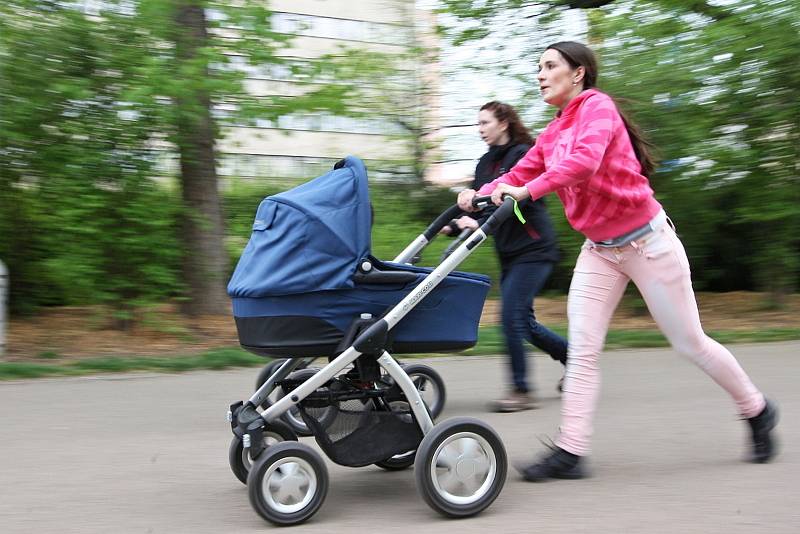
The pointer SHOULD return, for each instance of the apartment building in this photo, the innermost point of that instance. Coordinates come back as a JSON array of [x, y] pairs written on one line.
[[303, 144]]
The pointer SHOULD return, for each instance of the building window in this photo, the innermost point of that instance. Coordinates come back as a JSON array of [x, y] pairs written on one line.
[[343, 29]]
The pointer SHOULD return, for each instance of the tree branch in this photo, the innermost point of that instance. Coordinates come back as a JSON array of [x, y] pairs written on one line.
[[698, 6]]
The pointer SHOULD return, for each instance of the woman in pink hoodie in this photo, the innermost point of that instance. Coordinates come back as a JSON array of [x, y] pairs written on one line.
[[597, 162]]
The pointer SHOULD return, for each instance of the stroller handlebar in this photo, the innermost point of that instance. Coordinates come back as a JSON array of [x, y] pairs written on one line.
[[441, 221], [454, 211], [411, 253], [500, 215], [465, 233], [481, 202]]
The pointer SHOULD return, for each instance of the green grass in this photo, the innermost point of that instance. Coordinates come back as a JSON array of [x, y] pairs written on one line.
[[213, 359], [491, 342], [491, 339]]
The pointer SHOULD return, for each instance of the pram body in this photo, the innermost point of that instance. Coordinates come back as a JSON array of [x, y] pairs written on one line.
[[306, 285], [300, 281]]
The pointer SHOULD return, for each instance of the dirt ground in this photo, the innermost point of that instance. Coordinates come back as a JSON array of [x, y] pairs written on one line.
[[79, 332]]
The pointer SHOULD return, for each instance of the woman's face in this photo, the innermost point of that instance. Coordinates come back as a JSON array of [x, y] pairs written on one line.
[[556, 79], [493, 132]]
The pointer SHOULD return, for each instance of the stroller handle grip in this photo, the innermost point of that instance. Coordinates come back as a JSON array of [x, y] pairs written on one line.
[[481, 202], [500, 215], [441, 221], [451, 213], [411, 253]]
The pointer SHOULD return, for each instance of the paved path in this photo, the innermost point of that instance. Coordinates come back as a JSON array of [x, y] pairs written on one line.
[[148, 453]]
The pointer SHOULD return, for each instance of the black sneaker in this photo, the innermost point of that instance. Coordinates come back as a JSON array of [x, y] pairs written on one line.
[[764, 446], [556, 464]]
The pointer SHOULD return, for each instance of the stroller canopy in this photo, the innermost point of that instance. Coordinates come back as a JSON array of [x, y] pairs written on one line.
[[309, 238]]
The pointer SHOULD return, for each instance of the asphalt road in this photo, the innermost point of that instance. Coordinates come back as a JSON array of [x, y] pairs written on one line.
[[147, 453]]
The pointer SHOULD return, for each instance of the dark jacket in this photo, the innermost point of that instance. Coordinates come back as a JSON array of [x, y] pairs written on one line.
[[536, 239]]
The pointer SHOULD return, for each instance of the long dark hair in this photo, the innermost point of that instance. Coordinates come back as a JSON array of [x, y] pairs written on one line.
[[517, 131], [580, 55]]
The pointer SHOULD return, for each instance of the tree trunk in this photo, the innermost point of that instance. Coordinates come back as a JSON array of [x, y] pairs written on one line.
[[205, 263]]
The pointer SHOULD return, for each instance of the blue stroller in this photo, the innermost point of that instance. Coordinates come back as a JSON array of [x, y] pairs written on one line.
[[306, 286]]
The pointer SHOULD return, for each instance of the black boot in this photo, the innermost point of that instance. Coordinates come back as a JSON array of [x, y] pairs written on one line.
[[556, 464], [764, 447]]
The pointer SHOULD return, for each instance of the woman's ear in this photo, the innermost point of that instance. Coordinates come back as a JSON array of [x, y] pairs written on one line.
[[580, 72]]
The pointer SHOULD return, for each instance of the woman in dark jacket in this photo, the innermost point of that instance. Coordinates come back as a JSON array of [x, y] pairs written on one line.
[[527, 252]]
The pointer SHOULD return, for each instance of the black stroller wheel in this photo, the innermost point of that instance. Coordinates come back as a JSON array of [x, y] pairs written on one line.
[[292, 416], [398, 462], [430, 385], [461, 467], [267, 371], [404, 460], [288, 483], [239, 457]]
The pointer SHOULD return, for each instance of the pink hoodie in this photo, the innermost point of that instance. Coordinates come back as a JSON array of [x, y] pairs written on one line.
[[586, 157]]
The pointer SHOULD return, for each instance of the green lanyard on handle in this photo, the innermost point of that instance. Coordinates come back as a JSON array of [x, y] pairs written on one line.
[[518, 213]]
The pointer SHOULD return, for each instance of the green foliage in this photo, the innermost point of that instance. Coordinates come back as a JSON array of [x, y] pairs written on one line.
[[716, 89], [85, 99], [79, 217], [714, 86], [92, 102]]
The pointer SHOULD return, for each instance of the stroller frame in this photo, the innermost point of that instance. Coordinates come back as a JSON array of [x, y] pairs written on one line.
[[409, 255], [250, 425]]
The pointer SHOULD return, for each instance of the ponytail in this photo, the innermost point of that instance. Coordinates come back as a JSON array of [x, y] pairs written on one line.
[[642, 146], [580, 55]]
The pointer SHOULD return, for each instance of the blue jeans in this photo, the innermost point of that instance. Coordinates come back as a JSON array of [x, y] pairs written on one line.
[[519, 285]]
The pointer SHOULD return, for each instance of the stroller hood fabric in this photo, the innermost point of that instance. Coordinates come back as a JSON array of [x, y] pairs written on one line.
[[309, 238]]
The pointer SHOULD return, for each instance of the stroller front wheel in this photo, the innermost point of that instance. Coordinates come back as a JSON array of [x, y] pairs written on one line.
[[398, 462], [239, 457], [460, 467], [288, 483]]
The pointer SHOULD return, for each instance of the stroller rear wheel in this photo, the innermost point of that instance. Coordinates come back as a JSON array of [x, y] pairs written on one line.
[[288, 483], [430, 385], [460, 467], [398, 462], [239, 457], [267, 371], [404, 460], [292, 417], [428, 382]]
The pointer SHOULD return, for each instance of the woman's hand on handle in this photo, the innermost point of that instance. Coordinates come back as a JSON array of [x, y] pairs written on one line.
[[465, 200], [519, 193], [467, 223]]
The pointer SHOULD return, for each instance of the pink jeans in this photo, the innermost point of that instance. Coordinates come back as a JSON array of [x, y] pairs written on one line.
[[658, 266]]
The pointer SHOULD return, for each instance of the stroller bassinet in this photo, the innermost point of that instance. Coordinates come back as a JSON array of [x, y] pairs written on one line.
[[301, 282]]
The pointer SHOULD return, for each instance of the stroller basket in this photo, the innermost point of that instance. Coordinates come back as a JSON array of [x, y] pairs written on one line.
[[357, 427]]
